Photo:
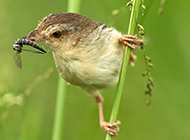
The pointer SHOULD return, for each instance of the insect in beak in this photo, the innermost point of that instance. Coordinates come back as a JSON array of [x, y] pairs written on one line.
[[18, 47]]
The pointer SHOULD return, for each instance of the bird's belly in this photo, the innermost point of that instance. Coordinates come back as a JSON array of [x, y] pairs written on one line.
[[99, 73]]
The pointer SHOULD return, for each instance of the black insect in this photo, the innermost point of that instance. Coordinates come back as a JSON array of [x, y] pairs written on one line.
[[18, 47]]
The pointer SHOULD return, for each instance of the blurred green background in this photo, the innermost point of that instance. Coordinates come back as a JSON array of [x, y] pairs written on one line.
[[27, 96]]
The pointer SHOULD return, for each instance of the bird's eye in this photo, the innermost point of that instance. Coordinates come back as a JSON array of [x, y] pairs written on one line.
[[56, 34]]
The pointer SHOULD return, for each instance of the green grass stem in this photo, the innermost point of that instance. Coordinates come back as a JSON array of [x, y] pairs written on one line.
[[73, 6], [59, 110], [131, 30]]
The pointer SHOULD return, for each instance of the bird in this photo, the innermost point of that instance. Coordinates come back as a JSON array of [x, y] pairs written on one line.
[[87, 54]]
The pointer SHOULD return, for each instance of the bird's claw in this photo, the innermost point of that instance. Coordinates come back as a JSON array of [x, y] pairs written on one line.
[[127, 39], [110, 128]]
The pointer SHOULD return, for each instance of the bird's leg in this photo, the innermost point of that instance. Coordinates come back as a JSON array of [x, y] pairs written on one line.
[[110, 128], [132, 59], [125, 40]]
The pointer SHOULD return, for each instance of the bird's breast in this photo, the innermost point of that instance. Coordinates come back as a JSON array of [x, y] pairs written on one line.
[[95, 62]]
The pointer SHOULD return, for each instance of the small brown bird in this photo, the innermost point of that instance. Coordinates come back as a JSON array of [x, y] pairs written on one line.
[[87, 53]]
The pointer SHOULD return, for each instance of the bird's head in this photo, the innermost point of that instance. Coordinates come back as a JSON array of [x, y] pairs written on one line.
[[62, 30]]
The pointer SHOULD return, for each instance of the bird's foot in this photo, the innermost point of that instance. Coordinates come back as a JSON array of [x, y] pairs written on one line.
[[110, 128], [127, 39]]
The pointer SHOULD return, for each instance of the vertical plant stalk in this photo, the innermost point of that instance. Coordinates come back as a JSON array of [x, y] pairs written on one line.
[[73, 6], [131, 30], [59, 110]]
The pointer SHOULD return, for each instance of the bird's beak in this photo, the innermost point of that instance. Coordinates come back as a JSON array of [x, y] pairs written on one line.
[[33, 36]]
